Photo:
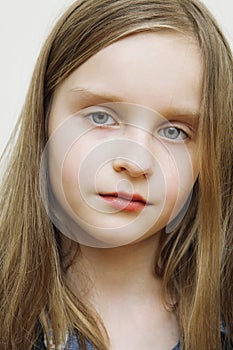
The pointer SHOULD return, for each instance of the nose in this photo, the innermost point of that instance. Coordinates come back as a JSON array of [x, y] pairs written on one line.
[[132, 168], [135, 157]]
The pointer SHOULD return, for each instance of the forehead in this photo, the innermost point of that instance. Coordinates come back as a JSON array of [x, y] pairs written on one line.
[[156, 69]]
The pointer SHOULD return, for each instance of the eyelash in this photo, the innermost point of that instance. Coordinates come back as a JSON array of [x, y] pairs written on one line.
[[90, 116], [181, 134]]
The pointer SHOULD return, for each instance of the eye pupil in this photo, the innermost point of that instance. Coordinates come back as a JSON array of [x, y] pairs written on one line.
[[100, 118], [172, 132]]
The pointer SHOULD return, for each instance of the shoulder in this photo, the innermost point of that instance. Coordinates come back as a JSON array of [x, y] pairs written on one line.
[[39, 345], [226, 343], [71, 344]]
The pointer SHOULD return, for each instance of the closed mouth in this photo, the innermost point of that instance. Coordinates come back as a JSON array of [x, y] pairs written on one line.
[[124, 201], [130, 197]]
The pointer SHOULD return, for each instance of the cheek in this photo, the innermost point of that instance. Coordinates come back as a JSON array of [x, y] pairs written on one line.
[[72, 163], [65, 167], [74, 167], [180, 173]]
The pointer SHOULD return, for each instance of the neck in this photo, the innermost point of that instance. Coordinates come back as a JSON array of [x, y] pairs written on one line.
[[117, 271], [120, 284]]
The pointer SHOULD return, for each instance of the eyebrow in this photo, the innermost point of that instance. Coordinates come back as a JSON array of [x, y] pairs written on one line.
[[175, 112], [98, 95]]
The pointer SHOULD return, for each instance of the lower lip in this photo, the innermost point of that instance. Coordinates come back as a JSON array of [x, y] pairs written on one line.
[[124, 204]]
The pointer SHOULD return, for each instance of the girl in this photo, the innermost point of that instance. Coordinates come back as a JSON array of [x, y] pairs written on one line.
[[116, 205]]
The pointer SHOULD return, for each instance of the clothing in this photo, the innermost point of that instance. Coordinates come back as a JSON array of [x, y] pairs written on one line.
[[72, 344]]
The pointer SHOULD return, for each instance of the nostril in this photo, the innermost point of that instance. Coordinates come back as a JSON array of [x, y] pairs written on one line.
[[120, 168], [133, 169]]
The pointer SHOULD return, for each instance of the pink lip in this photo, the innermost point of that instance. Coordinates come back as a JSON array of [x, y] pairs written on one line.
[[125, 201]]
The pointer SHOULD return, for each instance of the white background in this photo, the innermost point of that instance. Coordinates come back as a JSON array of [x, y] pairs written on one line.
[[24, 25]]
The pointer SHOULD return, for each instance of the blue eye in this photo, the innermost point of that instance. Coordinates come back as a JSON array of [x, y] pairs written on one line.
[[173, 133], [101, 118]]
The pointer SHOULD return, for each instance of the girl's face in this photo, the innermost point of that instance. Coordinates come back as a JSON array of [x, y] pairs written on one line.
[[123, 139]]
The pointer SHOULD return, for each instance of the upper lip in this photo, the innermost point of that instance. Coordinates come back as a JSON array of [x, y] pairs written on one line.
[[131, 197]]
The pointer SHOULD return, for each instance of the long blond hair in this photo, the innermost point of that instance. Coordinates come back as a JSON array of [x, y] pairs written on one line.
[[196, 261]]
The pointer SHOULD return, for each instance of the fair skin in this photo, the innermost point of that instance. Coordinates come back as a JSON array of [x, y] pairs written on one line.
[[151, 84]]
